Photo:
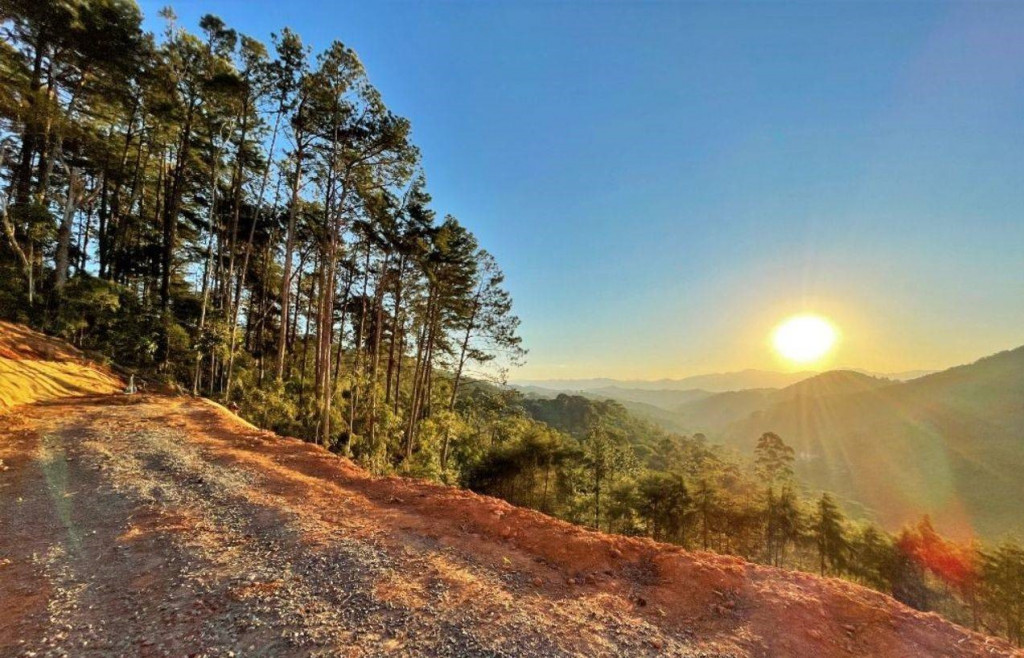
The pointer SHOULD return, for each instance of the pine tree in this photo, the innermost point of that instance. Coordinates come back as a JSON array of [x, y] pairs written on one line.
[[830, 537]]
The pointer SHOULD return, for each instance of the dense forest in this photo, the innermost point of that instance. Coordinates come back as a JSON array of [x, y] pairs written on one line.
[[251, 223]]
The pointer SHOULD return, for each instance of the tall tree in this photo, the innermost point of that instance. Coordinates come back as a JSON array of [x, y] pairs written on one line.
[[829, 536]]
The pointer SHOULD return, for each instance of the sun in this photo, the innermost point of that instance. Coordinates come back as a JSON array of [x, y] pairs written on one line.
[[804, 339]]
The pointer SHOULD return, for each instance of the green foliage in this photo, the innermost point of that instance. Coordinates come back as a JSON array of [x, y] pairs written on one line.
[[1002, 574], [830, 536], [270, 406], [773, 459], [665, 506]]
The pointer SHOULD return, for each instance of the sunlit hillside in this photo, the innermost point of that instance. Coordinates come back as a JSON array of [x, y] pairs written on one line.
[[948, 444]]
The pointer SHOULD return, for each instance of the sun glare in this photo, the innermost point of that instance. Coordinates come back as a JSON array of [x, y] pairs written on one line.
[[804, 338]]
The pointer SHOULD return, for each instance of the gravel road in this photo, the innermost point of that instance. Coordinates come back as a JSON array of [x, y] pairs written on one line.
[[158, 528]]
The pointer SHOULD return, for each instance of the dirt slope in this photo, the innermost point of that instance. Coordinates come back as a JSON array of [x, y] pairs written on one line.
[[160, 526], [34, 367]]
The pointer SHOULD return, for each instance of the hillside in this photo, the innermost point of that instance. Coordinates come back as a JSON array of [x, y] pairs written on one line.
[[721, 409], [712, 413], [834, 382], [947, 444], [950, 444], [157, 525]]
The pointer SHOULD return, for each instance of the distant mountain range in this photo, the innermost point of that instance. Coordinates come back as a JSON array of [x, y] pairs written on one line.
[[717, 382], [949, 444], [714, 383]]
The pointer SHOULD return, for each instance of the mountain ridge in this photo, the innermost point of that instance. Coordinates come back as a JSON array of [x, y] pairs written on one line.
[[947, 444], [720, 382]]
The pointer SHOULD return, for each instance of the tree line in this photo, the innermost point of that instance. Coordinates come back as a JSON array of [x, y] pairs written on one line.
[[250, 222], [244, 220]]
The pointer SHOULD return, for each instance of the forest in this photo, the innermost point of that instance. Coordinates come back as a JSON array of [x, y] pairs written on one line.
[[249, 222]]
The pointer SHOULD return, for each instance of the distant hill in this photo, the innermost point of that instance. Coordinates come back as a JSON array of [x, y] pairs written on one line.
[[667, 399], [834, 382], [950, 444], [657, 416], [713, 413], [714, 383], [903, 376], [655, 407], [720, 410], [575, 414]]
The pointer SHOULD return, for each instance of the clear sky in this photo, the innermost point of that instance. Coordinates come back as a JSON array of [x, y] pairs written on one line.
[[664, 182]]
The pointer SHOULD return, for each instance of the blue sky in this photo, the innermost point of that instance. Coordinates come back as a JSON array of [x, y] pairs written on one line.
[[664, 182]]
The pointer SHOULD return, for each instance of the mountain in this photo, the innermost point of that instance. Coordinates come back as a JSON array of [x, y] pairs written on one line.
[[715, 383], [656, 407], [712, 413], [834, 382], [902, 376], [663, 418], [722, 409], [949, 444]]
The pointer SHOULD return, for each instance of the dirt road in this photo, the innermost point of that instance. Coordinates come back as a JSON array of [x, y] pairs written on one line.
[[160, 526]]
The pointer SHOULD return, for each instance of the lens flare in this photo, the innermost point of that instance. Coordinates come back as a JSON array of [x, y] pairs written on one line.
[[804, 338]]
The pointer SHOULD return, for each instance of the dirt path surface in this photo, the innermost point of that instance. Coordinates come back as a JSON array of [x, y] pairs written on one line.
[[162, 526]]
